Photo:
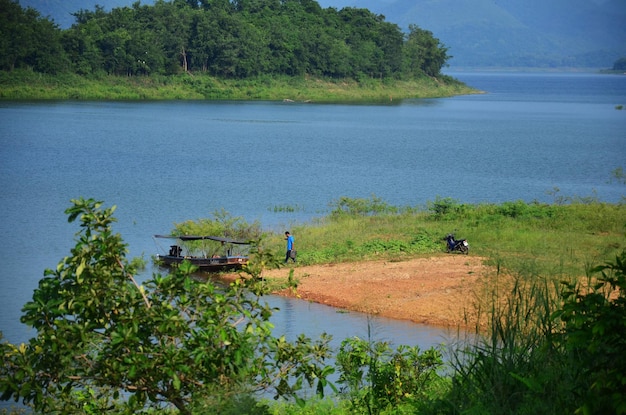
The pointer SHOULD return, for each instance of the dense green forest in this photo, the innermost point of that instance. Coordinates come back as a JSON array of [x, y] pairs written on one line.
[[230, 39]]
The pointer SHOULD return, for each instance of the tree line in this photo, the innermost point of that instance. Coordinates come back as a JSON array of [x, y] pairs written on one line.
[[232, 39]]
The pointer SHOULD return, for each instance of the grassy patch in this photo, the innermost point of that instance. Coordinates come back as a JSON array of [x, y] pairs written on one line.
[[21, 85], [527, 238]]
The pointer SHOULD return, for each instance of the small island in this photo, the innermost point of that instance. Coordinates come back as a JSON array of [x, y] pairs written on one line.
[[284, 51]]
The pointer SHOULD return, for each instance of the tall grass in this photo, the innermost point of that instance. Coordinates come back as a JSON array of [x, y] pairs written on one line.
[[550, 349], [517, 367]]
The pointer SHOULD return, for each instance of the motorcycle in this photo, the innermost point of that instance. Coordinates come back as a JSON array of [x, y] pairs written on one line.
[[453, 245]]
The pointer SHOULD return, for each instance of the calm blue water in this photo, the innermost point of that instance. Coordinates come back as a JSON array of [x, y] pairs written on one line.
[[166, 162]]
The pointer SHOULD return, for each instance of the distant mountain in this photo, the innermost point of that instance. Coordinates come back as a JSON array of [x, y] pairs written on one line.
[[478, 33], [514, 33]]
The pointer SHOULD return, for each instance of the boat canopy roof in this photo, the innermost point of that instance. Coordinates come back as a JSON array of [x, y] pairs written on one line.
[[200, 238]]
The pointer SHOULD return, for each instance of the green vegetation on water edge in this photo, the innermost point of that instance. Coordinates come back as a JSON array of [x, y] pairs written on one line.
[[524, 238], [28, 85]]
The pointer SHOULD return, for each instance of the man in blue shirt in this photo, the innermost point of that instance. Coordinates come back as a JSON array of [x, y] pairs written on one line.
[[291, 252]]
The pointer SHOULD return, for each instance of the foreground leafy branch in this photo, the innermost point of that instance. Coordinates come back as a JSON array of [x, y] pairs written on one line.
[[595, 323], [376, 377], [173, 340]]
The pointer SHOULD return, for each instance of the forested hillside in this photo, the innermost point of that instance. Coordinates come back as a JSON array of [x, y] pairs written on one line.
[[229, 39]]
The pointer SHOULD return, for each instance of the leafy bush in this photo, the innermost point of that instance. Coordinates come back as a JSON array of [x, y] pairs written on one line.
[[445, 208], [520, 209], [376, 377], [422, 243], [222, 224], [360, 207], [595, 323], [173, 340]]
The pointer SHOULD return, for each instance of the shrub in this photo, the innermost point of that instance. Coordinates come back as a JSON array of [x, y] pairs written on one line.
[[173, 340], [595, 323], [360, 207], [445, 208], [376, 377]]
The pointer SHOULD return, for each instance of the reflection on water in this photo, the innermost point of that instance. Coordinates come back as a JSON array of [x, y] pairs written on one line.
[[299, 316]]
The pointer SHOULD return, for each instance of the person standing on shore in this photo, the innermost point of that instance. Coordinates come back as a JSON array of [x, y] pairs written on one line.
[[291, 252]]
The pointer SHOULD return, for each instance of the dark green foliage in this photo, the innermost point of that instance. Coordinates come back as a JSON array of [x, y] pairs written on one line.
[[422, 243], [447, 208], [172, 340], [28, 40], [595, 323], [423, 53], [376, 377], [392, 246], [237, 40]]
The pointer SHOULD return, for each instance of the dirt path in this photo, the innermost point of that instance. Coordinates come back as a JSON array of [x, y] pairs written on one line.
[[441, 290]]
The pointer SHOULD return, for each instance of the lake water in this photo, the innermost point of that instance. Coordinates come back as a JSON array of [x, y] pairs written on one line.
[[166, 162]]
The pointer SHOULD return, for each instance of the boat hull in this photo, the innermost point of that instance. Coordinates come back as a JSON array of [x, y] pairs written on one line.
[[205, 264]]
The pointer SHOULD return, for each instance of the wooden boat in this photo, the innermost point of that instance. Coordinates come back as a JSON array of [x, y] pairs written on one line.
[[209, 253]]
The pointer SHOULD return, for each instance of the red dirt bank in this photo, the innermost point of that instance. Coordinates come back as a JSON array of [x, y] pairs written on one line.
[[441, 290]]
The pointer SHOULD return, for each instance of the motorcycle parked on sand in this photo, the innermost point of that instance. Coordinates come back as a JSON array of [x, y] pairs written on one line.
[[454, 245]]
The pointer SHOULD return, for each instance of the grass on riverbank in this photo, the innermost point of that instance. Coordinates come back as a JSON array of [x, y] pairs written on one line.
[[560, 240], [525, 238], [27, 85]]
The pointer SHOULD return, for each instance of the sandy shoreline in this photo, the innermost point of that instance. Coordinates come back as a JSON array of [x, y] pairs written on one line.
[[440, 290]]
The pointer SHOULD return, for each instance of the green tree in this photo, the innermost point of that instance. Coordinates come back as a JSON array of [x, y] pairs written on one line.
[[173, 29], [147, 45], [234, 39], [424, 54], [82, 50], [172, 340], [205, 32], [377, 377], [82, 41], [390, 41], [359, 29], [29, 41]]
